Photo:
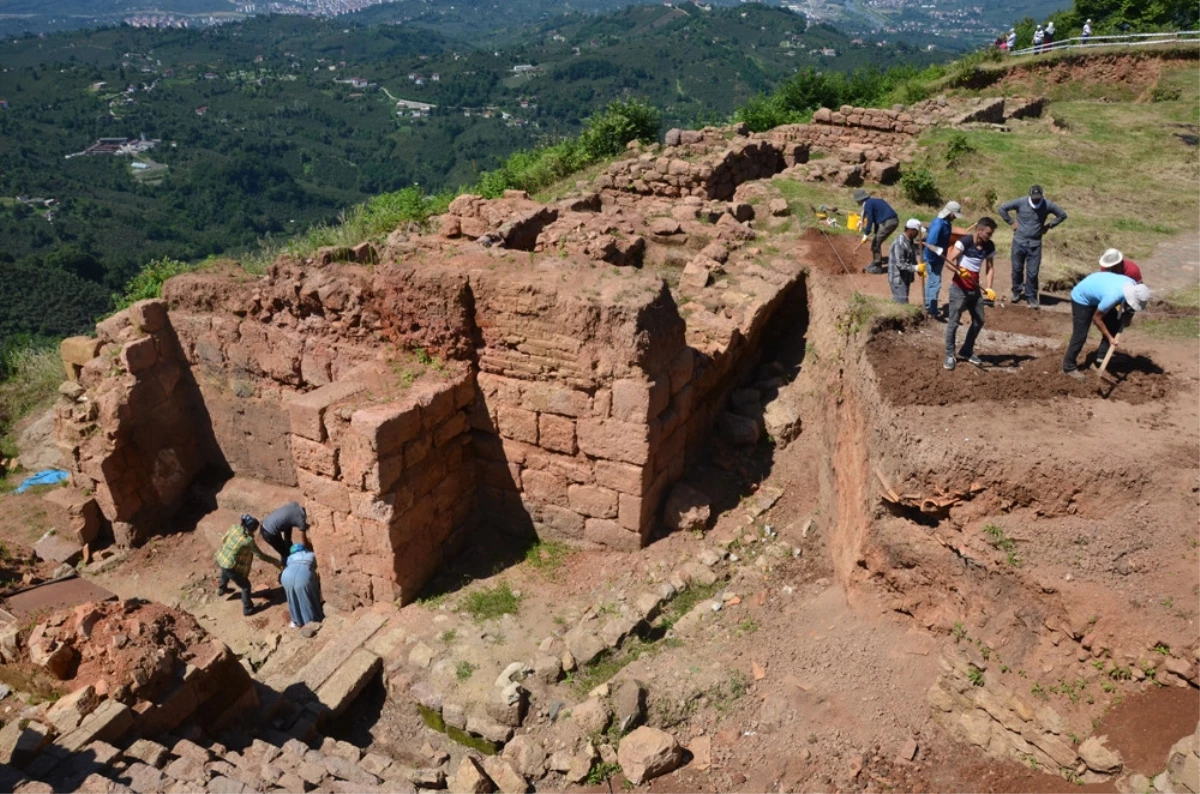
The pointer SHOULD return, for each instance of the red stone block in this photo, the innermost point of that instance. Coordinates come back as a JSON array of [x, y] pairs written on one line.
[[450, 429], [387, 427], [556, 433], [610, 534], [561, 523], [554, 398], [315, 457], [592, 501], [622, 477], [307, 411], [330, 493], [517, 424], [543, 487], [614, 440], [436, 399], [139, 355], [384, 474]]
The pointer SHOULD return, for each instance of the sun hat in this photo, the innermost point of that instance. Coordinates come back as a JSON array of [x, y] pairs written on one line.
[[951, 208], [1111, 258], [912, 223], [249, 522], [861, 195], [1136, 296]]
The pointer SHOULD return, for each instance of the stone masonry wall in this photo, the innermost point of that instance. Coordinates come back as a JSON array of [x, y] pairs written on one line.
[[133, 430], [388, 477], [575, 396]]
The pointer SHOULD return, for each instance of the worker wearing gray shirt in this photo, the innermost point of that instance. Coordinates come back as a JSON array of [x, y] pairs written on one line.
[[1028, 229], [278, 525]]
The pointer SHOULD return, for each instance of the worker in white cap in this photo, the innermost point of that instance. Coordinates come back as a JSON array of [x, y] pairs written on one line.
[[1087, 31], [902, 261], [940, 230]]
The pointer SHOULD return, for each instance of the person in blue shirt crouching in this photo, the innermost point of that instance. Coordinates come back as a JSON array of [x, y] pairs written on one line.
[[1091, 299]]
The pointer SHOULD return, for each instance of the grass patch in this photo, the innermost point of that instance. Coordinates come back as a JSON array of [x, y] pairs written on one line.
[[464, 670], [1171, 328], [685, 602], [32, 374], [863, 311], [491, 602], [547, 557], [999, 540]]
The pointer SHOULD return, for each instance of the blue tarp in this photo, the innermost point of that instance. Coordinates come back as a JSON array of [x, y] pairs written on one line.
[[43, 477]]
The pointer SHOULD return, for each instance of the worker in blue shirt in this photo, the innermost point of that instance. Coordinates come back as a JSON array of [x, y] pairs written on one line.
[[938, 235], [878, 222], [1091, 299]]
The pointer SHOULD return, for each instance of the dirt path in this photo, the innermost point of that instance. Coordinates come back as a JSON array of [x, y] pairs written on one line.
[[1175, 264]]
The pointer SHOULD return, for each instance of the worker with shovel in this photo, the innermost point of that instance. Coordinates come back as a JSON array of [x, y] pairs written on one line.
[[972, 255], [902, 261], [1091, 299], [1113, 261], [878, 222], [938, 236]]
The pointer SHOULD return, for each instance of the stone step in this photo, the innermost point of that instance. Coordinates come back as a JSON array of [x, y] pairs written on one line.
[[348, 681], [295, 650], [334, 653], [256, 497]]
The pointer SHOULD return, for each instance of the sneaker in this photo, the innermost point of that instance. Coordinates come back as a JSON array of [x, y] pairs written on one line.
[[949, 363], [1018, 298], [873, 269], [1074, 373], [1033, 304], [293, 625], [973, 359]]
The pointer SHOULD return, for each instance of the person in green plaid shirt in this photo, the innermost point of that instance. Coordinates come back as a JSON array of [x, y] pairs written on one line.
[[235, 557]]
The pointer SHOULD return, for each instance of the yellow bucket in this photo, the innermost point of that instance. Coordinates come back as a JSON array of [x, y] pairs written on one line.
[[852, 221]]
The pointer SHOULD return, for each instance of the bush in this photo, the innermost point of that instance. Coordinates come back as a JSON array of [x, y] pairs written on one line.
[[606, 133], [1165, 94], [920, 187], [148, 282], [957, 148]]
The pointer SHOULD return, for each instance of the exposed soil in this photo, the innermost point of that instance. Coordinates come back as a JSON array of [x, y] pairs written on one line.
[[1013, 369], [837, 254], [1140, 71]]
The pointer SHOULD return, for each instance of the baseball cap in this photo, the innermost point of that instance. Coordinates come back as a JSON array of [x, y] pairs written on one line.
[[912, 223], [1111, 258], [951, 208], [1036, 191], [249, 522], [1137, 296]]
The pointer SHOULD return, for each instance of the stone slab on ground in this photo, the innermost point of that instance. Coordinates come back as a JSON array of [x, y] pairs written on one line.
[[341, 688], [337, 650], [58, 548]]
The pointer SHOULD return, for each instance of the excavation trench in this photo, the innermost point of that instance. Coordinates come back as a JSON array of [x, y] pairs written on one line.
[[1035, 568]]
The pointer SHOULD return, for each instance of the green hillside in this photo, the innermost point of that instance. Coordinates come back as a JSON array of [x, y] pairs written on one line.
[[267, 127]]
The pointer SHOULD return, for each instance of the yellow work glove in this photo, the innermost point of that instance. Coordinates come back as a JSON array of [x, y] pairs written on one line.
[[864, 238], [989, 294], [921, 269]]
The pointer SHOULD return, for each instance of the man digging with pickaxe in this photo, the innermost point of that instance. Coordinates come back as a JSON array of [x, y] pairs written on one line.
[[1091, 299]]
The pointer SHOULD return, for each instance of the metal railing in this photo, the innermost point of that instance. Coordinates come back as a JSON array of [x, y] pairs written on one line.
[[1100, 42]]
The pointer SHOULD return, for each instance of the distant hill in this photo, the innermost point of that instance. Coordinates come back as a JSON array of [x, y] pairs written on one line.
[[265, 127]]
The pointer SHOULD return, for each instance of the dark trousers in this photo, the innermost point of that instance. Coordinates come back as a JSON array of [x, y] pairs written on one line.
[[281, 544], [242, 582], [1026, 262], [959, 301], [882, 232], [1081, 321]]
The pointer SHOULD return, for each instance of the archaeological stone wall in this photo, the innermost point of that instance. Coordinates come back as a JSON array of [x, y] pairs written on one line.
[[133, 428], [444, 388]]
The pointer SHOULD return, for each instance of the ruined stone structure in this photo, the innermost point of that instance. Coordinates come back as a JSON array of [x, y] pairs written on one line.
[[452, 389]]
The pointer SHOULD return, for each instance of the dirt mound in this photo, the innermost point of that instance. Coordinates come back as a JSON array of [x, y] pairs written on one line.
[[1139, 70], [836, 254], [1021, 372]]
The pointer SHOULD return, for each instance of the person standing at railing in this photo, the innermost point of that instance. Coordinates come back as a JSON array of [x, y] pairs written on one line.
[[1039, 36], [1049, 40], [1012, 39], [1087, 31]]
